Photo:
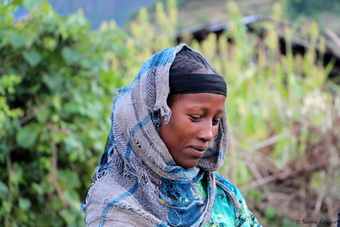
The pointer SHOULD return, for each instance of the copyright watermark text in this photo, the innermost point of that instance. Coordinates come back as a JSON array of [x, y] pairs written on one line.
[[316, 222]]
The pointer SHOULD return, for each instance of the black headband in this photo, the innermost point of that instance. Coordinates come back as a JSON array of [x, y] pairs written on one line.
[[188, 83]]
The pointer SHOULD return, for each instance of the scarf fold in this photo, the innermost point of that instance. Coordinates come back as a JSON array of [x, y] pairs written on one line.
[[137, 173]]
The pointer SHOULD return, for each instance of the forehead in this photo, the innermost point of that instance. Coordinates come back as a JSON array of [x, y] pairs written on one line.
[[204, 100]]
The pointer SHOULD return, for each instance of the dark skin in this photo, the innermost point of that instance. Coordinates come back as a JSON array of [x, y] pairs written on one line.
[[193, 124]]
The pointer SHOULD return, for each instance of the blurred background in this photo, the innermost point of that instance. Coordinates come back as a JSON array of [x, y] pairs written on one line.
[[61, 63]]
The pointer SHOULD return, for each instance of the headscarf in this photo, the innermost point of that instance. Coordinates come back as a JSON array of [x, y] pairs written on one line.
[[137, 172]]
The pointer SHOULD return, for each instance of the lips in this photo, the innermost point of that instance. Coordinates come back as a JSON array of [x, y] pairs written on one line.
[[199, 148], [197, 151]]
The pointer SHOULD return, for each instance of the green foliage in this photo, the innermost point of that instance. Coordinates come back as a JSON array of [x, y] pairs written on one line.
[[57, 79], [54, 106]]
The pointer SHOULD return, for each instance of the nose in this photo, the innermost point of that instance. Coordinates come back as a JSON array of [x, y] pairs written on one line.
[[207, 132]]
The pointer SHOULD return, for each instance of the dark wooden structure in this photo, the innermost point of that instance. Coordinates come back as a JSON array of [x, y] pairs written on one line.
[[299, 46]]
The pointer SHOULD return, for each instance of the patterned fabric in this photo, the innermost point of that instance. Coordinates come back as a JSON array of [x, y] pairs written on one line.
[[224, 213], [137, 175]]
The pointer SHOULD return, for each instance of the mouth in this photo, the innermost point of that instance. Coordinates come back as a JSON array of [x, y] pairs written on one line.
[[197, 151], [199, 148]]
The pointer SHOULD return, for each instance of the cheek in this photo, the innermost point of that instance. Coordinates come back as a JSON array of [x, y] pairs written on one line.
[[215, 130], [184, 128], [168, 134], [176, 131]]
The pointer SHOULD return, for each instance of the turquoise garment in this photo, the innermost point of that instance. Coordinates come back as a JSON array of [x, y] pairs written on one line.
[[224, 213]]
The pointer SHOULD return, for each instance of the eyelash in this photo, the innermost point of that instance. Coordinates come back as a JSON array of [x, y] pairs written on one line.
[[196, 119], [216, 122]]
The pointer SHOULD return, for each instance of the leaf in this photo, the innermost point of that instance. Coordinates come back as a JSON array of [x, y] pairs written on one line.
[[56, 204], [42, 115], [38, 188], [56, 100], [26, 137], [3, 190], [24, 204], [17, 40], [16, 176], [53, 81], [29, 4], [69, 178], [6, 206], [32, 57], [69, 55], [67, 215]]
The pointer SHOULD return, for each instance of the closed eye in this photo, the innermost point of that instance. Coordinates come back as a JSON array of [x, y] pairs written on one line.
[[195, 118], [216, 121]]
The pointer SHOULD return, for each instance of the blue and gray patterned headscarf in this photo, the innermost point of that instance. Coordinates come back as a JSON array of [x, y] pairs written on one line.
[[137, 173]]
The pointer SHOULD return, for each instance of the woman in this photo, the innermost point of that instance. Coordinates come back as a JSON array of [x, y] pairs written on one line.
[[168, 137]]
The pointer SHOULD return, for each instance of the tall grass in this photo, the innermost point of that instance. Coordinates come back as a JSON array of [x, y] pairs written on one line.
[[283, 112]]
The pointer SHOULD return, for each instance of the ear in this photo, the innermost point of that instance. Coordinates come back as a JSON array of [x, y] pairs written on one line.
[[161, 120]]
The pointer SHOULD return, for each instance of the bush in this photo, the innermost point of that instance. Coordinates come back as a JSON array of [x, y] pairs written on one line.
[[55, 92]]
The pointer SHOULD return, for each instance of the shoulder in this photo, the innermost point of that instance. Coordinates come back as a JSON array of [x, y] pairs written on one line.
[[223, 182], [109, 204], [243, 216]]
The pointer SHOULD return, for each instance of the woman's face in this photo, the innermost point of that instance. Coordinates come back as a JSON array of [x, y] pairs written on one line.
[[193, 124]]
